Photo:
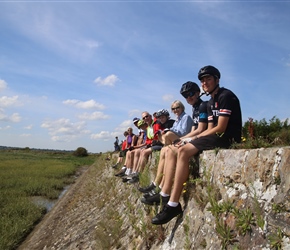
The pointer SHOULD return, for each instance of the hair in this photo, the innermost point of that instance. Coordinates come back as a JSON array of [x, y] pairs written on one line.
[[178, 103], [126, 133]]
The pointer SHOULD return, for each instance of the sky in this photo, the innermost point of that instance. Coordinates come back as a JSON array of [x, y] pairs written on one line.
[[75, 73]]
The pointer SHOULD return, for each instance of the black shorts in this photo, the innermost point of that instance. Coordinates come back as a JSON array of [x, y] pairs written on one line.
[[123, 153], [210, 142], [156, 148]]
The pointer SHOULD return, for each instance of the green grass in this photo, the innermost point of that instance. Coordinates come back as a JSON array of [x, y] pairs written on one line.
[[28, 173]]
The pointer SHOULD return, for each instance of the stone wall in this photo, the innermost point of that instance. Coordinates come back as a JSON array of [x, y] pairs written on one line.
[[241, 200], [255, 183]]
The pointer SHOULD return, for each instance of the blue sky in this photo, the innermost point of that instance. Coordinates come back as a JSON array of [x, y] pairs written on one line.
[[75, 73]]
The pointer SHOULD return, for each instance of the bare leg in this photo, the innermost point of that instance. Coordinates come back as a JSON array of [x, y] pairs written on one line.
[[159, 174], [143, 159], [182, 170], [169, 169], [169, 137], [137, 155]]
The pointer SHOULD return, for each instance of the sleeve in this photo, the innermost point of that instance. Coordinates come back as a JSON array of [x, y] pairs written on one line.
[[226, 104], [184, 126], [203, 115]]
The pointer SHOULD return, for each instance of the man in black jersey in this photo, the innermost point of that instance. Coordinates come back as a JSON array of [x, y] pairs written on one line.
[[224, 128], [168, 156]]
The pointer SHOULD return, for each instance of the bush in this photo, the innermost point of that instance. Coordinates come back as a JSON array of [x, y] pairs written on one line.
[[80, 152]]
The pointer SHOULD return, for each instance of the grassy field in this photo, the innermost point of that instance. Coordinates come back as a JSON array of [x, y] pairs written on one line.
[[29, 173]]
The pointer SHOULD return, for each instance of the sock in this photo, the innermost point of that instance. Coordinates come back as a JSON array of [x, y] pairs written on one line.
[[124, 167], [163, 194], [172, 204]]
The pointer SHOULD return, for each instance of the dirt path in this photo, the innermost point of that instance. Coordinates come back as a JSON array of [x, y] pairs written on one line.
[[64, 227]]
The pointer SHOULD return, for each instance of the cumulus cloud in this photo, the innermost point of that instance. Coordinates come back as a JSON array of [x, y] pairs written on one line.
[[6, 101], [93, 116], [101, 135], [90, 104], [5, 128], [3, 85], [65, 130], [167, 97], [28, 127], [25, 135], [15, 117], [108, 81], [135, 113]]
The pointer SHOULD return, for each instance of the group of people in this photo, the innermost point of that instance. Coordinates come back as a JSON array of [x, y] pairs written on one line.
[[216, 123]]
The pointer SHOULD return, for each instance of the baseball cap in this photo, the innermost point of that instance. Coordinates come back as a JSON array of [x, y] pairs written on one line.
[[136, 119]]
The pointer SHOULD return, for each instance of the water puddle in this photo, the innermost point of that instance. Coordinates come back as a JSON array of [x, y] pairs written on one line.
[[48, 203]]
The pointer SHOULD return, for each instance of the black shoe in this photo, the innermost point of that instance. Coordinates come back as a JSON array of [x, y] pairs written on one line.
[[166, 214], [147, 189], [151, 193], [121, 172], [155, 199], [115, 166], [134, 180], [126, 178]]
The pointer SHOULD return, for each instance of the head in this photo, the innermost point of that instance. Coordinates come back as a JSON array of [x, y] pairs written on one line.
[[142, 124], [209, 77], [162, 115], [135, 121], [126, 133], [147, 117], [177, 108], [190, 91], [130, 131]]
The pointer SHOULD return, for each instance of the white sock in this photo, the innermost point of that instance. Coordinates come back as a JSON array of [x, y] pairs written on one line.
[[163, 194], [123, 167], [172, 204]]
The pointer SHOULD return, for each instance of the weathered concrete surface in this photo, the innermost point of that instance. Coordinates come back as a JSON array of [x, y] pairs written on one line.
[[101, 212]]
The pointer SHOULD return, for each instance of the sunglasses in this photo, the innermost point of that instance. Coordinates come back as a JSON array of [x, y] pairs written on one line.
[[146, 116], [175, 108], [188, 94]]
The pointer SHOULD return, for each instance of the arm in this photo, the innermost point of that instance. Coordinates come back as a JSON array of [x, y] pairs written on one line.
[[220, 128], [202, 126]]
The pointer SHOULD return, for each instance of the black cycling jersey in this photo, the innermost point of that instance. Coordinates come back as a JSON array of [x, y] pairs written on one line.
[[199, 113], [226, 103], [167, 124]]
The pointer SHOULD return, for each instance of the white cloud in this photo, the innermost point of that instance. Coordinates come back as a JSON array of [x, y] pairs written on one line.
[[135, 113], [15, 117], [28, 127], [64, 130], [25, 135], [108, 81], [167, 97], [93, 116], [91, 104], [101, 135], [5, 128], [6, 101], [3, 85], [91, 44]]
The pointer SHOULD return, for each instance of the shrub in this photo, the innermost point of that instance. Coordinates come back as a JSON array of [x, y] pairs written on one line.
[[80, 152]]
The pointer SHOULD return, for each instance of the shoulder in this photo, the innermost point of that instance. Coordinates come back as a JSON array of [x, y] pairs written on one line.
[[226, 93], [203, 106]]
